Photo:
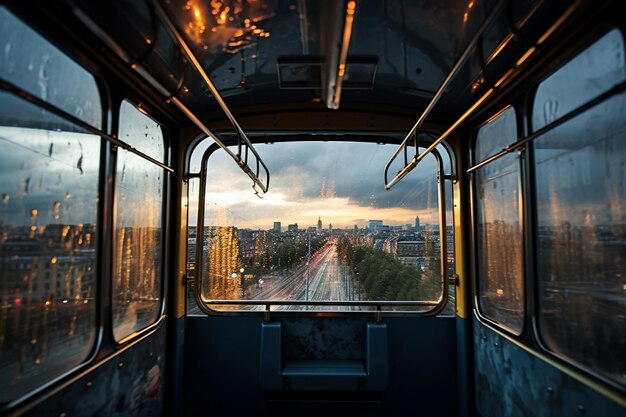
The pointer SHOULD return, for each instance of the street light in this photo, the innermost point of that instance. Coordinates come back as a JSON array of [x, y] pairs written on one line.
[[308, 269], [241, 282]]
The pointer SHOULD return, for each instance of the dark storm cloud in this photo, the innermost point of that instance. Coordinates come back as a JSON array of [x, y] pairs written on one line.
[[40, 171], [353, 170], [319, 170]]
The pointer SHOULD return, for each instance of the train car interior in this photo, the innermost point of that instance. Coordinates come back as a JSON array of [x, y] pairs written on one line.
[[297, 207]]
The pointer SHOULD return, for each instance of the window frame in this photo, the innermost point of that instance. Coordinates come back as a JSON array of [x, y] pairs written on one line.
[[533, 227], [476, 271], [523, 99], [206, 308], [163, 264], [100, 206]]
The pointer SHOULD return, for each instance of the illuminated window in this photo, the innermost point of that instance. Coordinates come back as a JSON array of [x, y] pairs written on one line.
[[580, 188], [138, 238], [498, 225], [49, 176]]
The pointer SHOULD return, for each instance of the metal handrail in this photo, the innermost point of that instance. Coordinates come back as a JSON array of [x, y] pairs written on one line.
[[322, 303], [437, 306], [25, 95], [617, 89], [163, 91], [413, 133], [241, 136]]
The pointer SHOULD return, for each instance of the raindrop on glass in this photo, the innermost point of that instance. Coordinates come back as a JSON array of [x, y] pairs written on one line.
[[79, 164]]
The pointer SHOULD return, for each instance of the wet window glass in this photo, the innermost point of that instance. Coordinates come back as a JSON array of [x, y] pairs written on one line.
[[581, 216], [48, 236], [46, 72], [498, 225], [594, 71], [138, 236], [141, 132], [327, 230]]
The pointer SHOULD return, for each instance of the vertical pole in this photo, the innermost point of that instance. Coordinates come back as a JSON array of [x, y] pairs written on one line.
[[308, 269]]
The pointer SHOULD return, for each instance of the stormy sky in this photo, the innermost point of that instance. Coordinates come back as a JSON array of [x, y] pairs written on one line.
[[340, 182], [48, 177]]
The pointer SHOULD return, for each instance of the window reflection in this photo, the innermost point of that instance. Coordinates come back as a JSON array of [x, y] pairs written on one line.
[[48, 237], [138, 226], [498, 225], [592, 72], [582, 238], [32, 63]]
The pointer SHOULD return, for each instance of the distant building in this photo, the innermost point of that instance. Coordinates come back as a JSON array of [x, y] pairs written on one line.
[[375, 225], [330, 227], [277, 227], [319, 224], [417, 223], [311, 230], [292, 227], [411, 252]]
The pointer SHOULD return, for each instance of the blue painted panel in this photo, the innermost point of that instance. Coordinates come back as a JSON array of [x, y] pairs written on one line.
[[174, 383], [222, 365], [422, 367], [512, 382], [129, 384], [222, 368], [465, 374]]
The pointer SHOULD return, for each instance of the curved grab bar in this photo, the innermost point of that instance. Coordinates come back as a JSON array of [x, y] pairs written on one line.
[[242, 139], [408, 166]]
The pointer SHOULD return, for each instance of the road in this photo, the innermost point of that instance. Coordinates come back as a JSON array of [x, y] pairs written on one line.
[[323, 278]]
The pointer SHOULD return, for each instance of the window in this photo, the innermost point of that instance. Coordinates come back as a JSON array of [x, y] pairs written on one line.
[[581, 216], [327, 230], [594, 71], [138, 239], [498, 225], [49, 175], [46, 72]]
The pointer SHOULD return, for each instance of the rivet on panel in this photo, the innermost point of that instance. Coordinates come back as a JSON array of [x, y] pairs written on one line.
[[121, 364], [496, 344], [550, 389], [581, 409], [89, 384], [62, 414]]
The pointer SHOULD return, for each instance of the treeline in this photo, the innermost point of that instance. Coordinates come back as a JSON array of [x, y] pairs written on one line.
[[385, 278], [290, 253]]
